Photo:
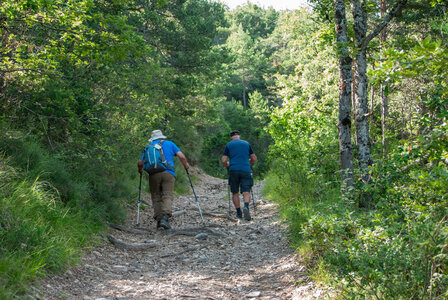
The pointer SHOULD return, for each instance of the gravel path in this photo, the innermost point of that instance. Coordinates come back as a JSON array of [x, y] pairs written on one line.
[[229, 259]]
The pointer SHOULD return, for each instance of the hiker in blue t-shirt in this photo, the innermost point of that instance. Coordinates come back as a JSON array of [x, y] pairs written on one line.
[[161, 184], [241, 156]]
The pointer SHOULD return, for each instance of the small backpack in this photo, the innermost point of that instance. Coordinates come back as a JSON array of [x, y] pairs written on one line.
[[154, 160]]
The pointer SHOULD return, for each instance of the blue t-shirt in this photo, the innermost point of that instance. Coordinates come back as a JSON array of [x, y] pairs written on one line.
[[169, 150], [239, 151]]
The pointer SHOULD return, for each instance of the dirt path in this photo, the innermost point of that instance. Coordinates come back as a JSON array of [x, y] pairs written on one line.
[[229, 260]]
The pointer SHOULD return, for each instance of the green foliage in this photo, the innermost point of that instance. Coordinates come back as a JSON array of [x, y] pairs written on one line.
[[235, 117], [258, 22], [38, 233], [82, 85], [397, 250]]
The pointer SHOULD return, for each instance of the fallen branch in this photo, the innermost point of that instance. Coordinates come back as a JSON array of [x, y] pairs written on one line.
[[193, 231], [130, 230], [223, 216], [120, 244], [182, 252], [178, 213]]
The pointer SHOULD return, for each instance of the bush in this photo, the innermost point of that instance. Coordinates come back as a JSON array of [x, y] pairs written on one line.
[[38, 233], [50, 207]]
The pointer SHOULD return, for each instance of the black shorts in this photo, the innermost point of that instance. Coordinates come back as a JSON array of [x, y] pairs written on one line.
[[240, 181]]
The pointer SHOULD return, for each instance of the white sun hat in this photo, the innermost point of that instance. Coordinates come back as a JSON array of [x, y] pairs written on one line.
[[156, 135]]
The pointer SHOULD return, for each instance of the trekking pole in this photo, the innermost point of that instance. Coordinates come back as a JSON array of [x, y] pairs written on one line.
[[138, 202], [228, 188], [252, 193], [195, 197], [253, 201]]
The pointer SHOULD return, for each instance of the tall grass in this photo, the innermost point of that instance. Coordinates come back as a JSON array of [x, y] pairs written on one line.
[[51, 208], [38, 232]]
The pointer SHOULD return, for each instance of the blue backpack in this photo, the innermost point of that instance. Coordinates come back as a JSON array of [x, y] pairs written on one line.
[[154, 160]]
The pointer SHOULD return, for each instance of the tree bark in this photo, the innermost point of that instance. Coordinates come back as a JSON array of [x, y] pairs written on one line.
[[345, 93], [359, 12], [244, 92], [384, 116], [384, 94], [360, 89], [372, 102]]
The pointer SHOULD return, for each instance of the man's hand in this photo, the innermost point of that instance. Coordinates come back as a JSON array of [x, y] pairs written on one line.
[[252, 158], [140, 166], [225, 162]]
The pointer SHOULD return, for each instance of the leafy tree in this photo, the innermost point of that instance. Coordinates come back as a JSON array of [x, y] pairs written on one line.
[[258, 22]]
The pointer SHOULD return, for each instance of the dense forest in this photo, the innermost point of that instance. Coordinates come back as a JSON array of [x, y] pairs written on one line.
[[344, 102]]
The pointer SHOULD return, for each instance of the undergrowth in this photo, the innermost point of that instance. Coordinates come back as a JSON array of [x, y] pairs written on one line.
[[38, 233], [396, 251], [51, 208]]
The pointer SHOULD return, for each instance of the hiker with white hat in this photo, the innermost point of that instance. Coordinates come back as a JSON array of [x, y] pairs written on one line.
[[158, 160]]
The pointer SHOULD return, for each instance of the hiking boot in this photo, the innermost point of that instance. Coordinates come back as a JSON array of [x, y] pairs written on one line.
[[163, 223], [246, 214], [239, 214]]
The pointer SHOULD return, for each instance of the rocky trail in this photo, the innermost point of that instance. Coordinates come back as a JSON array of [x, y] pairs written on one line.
[[228, 259]]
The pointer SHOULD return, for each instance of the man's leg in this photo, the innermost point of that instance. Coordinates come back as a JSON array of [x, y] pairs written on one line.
[[236, 200], [156, 194], [246, 185], [246, 198], [167, 184], [234, 181]]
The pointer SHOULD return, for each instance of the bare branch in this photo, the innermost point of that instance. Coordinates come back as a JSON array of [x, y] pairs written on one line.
[[386, 20], [124, 245]]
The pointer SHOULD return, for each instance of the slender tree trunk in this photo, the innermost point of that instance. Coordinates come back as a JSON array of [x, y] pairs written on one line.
[[345, 92], [362, 40], [372, 102], [384, 116], [244, 99], [359, 85], [354, 105], [360, 89], [244, 92], [4, 43], [384, 87], [362, 116]]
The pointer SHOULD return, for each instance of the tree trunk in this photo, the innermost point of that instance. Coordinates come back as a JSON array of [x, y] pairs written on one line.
[[384, 116], [372, 102], [345, 92], [362, 40], [360, 89], [384, 94], [362, 116], [360, 85], [243, 80], [244, 99]]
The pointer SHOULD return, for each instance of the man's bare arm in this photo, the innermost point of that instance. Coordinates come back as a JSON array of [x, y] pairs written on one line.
[[224, 160], [252, 158], [183, 160]]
